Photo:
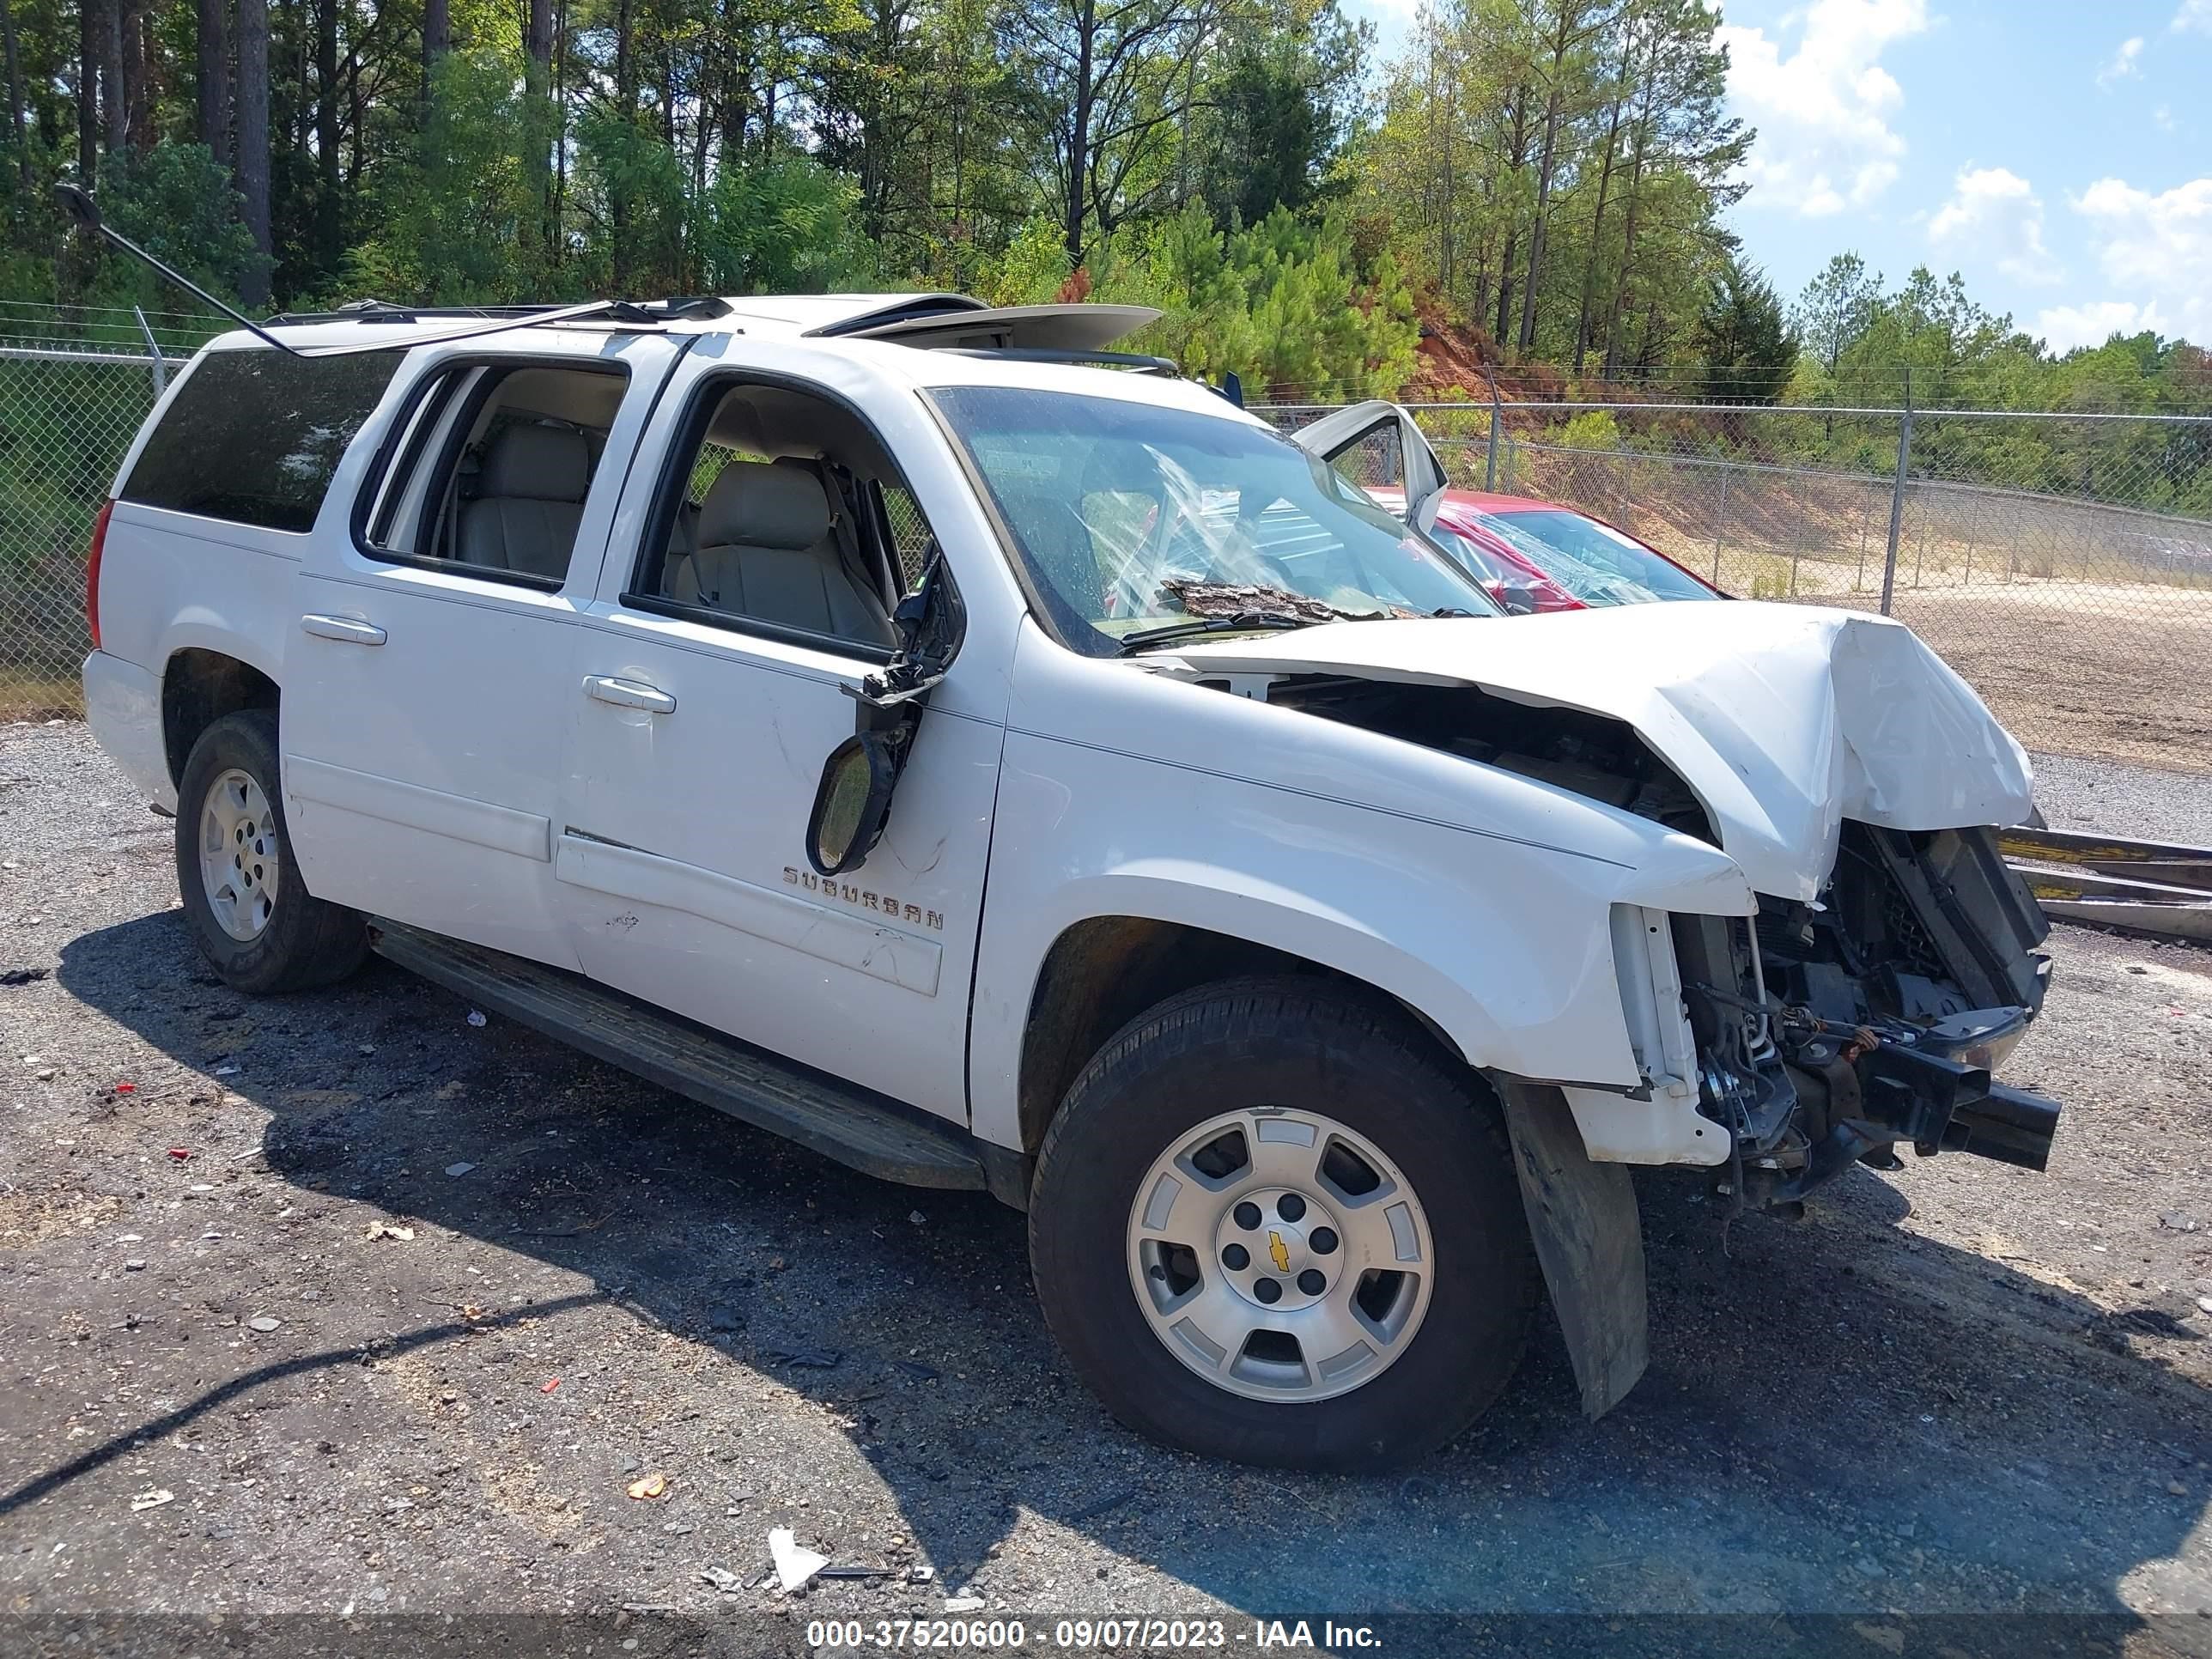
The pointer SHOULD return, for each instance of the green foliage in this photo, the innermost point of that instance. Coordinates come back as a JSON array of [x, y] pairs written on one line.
[[784, 225], [1280, 304], [1539, 184], [1740, 330], [1591, 429], [1033, 268], [452, 212], [176, 201]]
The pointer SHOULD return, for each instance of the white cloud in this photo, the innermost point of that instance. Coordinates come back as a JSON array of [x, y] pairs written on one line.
[[1993, 213], [2063, 327], [2123, 62], [2156, 248], [2162, 118], [2195, 15], [1823, 113]]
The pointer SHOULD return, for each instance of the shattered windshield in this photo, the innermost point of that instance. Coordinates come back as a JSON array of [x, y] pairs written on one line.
[[1594, 562], [1136, 520]]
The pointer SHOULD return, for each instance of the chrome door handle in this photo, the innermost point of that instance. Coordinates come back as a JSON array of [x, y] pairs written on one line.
[[350, 629], [628, 693]]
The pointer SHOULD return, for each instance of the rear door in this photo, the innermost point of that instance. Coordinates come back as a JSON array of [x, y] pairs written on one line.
[[426, 668], [1378, 447]]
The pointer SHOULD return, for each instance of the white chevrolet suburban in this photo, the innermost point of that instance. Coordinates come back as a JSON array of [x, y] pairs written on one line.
[[996, 764]]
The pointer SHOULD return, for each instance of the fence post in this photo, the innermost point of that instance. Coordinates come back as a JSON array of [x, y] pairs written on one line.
[[1490, 465], [153, 350], [1897, 498], [1720, 527]]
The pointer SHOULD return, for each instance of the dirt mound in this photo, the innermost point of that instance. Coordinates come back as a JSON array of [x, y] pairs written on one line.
[[1452, 356]]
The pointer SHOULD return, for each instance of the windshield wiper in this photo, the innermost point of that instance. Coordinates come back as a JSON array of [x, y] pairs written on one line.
[[1130, 642]]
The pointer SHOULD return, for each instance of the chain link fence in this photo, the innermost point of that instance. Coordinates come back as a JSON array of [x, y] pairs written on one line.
[[66, 416], [2062, 562]]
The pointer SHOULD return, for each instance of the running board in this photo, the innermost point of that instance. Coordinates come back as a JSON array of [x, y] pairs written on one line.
[[836, 1120]]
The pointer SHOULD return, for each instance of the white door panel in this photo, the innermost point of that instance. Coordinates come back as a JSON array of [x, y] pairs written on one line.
[[683, 867], [421, 774], [427, 704]]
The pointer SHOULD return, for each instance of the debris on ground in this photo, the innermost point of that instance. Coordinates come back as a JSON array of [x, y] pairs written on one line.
[[154, 1500], [651, 1486], [25, 975], [182, 1154], [2178, 1220], [389, 1229], [820, 1359], [794, 1565], [722, 1579], [916, 1217], [475, 1017], [551, 1384], [853, 1573], [964, 1604], [264, 1324], [456, 1170], [123, 1089], [1112, 1500], [920, 1575], [916, 1370]]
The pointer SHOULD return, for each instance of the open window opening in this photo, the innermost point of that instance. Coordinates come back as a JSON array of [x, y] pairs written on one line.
[[782, 514], [495, 462]]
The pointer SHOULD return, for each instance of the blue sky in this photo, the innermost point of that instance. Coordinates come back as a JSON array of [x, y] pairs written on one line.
[[2056, 153]]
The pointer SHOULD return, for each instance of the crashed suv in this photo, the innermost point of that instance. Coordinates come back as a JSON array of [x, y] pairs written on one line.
[[998, 764]]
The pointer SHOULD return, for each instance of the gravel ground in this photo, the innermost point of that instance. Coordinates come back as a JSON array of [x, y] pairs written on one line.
[[2139, 802], [1961, 1388]]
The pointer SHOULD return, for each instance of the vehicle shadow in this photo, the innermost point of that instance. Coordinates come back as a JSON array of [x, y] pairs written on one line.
[[1838, 1416]]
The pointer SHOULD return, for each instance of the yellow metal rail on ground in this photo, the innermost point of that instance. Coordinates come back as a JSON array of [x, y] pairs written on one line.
[[2144, 886]]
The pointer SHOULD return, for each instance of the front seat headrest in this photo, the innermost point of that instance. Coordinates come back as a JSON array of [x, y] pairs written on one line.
[[758, 504], [537, 464]]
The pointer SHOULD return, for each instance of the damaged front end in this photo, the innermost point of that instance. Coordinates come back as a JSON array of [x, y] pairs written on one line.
[[1822, 1031], [1829, 1032], [1850, 776]]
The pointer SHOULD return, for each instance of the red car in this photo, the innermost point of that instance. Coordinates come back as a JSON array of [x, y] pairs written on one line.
[[1536, 555]]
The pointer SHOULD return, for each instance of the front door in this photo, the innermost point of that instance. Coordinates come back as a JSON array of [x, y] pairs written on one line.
[[424, 717], [709, 684]]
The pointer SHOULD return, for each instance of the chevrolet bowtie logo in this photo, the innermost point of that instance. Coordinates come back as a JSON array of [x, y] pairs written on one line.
[[1279, 1250]]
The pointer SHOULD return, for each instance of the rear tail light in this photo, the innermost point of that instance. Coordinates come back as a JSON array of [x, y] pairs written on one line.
[[92, 571]]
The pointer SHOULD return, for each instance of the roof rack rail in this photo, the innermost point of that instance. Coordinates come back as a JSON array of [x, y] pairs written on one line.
[[698, 306]]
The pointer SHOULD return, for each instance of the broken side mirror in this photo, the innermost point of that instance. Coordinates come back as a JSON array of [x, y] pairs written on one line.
[[853, 803]]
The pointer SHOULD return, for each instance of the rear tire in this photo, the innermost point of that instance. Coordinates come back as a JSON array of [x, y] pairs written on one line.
[[1364, 1147], [253, 917]]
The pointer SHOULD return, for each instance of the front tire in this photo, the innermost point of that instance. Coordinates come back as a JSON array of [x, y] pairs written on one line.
[[253, 917], [1272, 1222]]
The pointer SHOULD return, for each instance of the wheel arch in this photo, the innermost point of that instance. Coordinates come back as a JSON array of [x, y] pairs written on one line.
[[200, 684], [1102, 971]]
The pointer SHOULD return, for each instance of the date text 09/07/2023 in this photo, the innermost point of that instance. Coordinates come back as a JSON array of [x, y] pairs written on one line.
[[1144, 1634]]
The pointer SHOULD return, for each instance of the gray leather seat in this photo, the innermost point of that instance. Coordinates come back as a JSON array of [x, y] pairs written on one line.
[[529, 501], [766, 550]]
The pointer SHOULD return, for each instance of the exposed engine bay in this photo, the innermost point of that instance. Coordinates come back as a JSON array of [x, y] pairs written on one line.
[[1828, 1031]]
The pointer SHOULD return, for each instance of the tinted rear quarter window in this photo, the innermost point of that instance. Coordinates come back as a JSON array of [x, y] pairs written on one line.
[[254, 436]]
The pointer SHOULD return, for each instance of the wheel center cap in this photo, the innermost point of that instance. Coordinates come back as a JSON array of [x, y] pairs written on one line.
[[1266, 1246]]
